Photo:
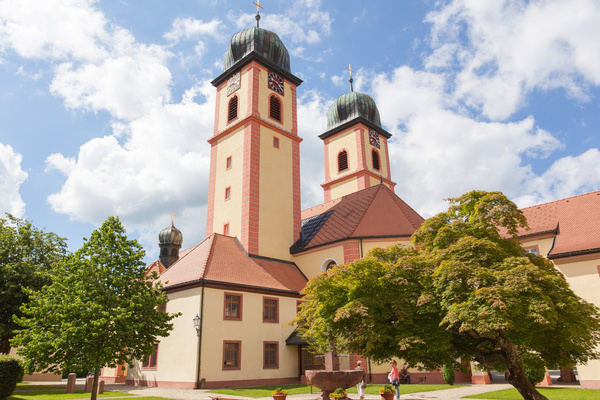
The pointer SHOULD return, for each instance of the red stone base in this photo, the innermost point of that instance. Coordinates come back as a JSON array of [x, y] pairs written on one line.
[[547, 381], [595, 384], [481, 379]]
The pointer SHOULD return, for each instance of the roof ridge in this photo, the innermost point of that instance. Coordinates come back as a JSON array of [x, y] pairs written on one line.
[[364, 211], [596, 192], [401, 206], [210, 253]]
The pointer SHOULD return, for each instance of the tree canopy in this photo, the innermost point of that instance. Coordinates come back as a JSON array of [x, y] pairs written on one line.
[[467, 291], [100, 309], [26, 257]]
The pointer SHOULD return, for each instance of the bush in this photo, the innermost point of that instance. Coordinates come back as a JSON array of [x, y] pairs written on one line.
[[534, 367], [11, 372], [448, 373]]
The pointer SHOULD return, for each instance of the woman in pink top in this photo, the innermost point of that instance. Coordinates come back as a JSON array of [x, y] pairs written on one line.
[[395, 378]]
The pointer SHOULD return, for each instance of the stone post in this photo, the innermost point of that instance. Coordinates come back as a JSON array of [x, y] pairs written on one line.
[[71, 382], [100, 387], [89, 381]]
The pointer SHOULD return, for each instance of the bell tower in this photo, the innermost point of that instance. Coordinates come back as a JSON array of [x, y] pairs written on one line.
[[254, 184], [356, 147]]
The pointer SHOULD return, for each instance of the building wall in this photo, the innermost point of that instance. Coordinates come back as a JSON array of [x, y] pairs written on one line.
[[251, 332], [276, 204], [176, 360], [583, 275]]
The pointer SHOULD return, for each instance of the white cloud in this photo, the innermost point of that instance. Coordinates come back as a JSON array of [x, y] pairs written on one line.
[[53, 29], [187, 28], [514, 48], [160, 168], [437, 153], [11, 178]]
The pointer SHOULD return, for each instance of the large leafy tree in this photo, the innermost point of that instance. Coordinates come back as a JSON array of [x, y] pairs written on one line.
[[470, 291], [26, 257], [100, 309]]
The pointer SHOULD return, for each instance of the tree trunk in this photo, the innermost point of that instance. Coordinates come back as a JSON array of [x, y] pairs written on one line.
[[5, 344], [95, 384], [517, 376]]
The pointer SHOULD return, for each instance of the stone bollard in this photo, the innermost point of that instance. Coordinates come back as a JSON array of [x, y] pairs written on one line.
[[71, 382], [100, 387], [89, 381]]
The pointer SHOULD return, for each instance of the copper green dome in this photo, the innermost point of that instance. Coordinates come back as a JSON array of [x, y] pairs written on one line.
[[350, 106], [265, 43], [170, 235]]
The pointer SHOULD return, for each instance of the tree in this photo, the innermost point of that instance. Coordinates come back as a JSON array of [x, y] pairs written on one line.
[[100, 309], [470, 291], [26, 257]]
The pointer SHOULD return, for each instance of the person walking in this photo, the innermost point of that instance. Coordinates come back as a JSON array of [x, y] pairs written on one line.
[[362, 384], [395, 378]]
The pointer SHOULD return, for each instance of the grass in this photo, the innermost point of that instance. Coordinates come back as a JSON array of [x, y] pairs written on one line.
[[550, 393], [54, 395], [265, 391], [24, 386]]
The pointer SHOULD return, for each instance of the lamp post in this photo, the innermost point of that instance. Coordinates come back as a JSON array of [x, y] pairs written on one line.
[[198, 325]]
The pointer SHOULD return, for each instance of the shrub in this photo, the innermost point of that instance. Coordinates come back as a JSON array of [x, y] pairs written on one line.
[[448, 373], [534, 367], [11, 371], [279, 391]]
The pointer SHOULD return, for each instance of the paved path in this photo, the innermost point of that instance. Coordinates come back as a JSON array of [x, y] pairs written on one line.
[[192, 394]]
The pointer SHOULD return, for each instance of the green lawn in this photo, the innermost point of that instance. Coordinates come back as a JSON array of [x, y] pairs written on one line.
[[550, 393], [265, 391], [20, 394]]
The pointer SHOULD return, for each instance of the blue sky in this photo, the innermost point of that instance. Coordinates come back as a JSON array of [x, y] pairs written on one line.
[[106, 106]]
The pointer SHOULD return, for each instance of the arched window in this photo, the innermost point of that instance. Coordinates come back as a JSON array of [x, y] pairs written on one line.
[[164, 251], [375, 155], [275, 108], [174, 252], [330, 265], [343, 161], [233, 109]]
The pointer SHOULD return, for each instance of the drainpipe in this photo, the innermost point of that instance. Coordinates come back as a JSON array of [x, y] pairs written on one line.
[[361, 249], [199, 384]]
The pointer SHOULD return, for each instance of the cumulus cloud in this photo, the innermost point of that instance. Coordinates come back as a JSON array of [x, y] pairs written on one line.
[[188, 28], [436, 152], [160, 167], [515, 47], [11, 178]]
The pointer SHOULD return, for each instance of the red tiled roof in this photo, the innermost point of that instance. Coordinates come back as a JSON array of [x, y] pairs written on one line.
[[156, 266], [222, 259], [373, 212], [577, 219]]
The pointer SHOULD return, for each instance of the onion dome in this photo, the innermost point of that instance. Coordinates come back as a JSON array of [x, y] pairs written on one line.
[[350, 106], [170, 235], [261, 41]]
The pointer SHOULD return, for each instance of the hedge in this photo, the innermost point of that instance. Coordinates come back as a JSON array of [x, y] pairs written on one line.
[[11, 372]]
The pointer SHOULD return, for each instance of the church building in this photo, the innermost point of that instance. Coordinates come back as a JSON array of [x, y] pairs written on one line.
[[237, 290]]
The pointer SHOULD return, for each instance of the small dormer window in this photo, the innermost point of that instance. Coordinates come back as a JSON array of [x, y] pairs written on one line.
[[342, 161], [275, 108]]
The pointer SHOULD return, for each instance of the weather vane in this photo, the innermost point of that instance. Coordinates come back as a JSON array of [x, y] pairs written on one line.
[[258, 8], [350, 80]]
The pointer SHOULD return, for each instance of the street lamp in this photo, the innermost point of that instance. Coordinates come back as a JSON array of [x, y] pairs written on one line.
[[197, 324]]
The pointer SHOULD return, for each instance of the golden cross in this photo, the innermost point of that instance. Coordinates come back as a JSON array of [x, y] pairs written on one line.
[[350, 80], [258, 6], [172, 217], [349, 69]]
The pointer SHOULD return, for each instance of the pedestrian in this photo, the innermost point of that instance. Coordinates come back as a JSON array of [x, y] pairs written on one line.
[[362, 384], [404, 376], [395, 378]]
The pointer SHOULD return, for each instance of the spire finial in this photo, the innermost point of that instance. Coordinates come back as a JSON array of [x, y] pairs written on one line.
[[172, 219], [258, 8], [350, 80]]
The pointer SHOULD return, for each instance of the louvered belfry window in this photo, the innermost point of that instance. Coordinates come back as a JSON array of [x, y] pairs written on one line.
[[343, 161], [376, 164], [275, 108], [233, 109]]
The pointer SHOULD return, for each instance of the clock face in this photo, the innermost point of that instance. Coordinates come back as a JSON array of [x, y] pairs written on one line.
[[275, 83], [374, 138], [233, 83]]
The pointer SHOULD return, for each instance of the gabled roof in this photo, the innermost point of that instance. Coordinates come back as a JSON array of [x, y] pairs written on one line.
[[370, 213], [574, 220], [222, 259]]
